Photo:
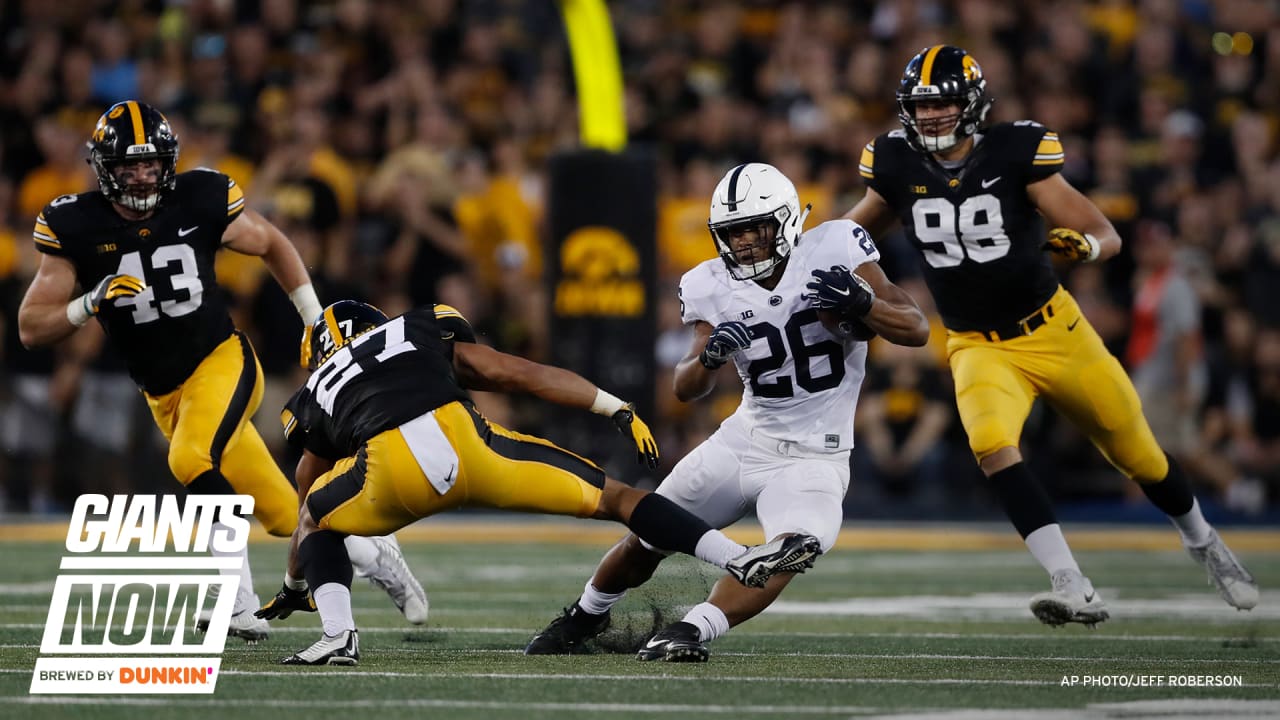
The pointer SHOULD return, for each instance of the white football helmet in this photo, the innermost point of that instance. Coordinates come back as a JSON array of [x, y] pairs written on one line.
[[749, 195]]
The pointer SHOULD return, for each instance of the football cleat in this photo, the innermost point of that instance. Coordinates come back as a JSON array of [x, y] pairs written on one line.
[[793, 553], [1235, 584], [678, 642], [340, 649], [243, 625], [1072, 599], [393, 576], [565, 634]]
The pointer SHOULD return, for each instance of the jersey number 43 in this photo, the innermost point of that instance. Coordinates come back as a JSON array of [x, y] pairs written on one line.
[[187, 279]]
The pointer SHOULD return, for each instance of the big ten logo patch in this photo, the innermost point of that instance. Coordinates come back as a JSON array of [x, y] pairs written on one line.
[[599, 275], [135, 583]]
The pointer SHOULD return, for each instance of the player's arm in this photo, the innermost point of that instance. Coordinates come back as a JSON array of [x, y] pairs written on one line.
[[1077, 224], [480, 367], [894, 314], [310, 467], [695, 375], [252, 234], [42, 317], [873, 213]]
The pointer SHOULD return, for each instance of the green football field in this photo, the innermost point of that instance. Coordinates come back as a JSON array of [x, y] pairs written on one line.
[[927, 623]]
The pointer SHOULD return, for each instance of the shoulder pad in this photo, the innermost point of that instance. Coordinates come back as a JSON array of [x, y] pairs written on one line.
[[453, 326]]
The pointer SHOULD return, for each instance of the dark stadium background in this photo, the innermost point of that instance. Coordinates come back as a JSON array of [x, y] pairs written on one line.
[[407, 148]]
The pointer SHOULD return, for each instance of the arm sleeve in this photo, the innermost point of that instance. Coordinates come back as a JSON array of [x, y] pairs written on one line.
[[453, 325], [45, 237], [1048, 157]]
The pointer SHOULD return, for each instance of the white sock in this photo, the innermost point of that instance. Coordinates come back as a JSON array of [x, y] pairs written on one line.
[[596, 602], [363, 553], [246, 598], [333, 600], [1050, 549], [709, 619], [716, 548], [1195, 530]]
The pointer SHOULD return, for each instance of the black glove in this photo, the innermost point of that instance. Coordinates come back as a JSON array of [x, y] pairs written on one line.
[[285, 603], [728, 339], [630, 425], [842, 291], [112, 287]]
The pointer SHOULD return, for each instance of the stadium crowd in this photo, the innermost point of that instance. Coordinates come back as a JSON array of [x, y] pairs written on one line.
[[402, 144]]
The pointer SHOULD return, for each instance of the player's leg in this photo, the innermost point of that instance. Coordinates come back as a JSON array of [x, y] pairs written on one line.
[[522, 473], [704, 482], [793, 495], [205, 418], [320, 556], [993, 396], [1100, 399]]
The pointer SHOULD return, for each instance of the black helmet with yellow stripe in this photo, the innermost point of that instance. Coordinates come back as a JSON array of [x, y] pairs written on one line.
[[942, 75], [127, 132], [339, 324]]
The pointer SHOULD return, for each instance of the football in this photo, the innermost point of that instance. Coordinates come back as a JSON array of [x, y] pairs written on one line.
[[845, 327]]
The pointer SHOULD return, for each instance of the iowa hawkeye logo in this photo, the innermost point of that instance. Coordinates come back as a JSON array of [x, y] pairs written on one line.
[[136, 577]]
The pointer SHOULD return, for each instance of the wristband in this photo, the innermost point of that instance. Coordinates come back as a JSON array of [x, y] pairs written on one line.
[[78, 311], [294, 583], [606, 404], [1094, 247], [305, 300]]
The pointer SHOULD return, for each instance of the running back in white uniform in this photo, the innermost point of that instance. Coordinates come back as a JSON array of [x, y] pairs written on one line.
[[785, 450]]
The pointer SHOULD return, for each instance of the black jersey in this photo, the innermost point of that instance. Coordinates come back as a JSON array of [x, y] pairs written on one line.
[[168, 328], [382, 379], [977, 232]]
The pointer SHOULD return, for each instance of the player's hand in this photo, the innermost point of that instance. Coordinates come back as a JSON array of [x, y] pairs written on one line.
[[1072, 245], [727, 340], [630, 425], [842, 291], [285, 603], [111, 288]]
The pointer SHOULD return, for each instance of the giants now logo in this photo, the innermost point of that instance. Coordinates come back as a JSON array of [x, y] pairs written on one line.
[[145, 603]]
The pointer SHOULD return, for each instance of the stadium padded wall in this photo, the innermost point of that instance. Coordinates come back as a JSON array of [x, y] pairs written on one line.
[[602, 272]]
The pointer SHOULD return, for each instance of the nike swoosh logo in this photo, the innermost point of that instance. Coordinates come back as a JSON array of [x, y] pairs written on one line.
[[842, 292], [183, 232], [1073, 324], [654, 643], [1089, 598], [988, 183]]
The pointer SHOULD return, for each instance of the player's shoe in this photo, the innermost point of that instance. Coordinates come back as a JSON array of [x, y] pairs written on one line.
[[340, 649], [243, 625], [793, 553], [1072, 599], [565, 634], [393, 576], [677, 642], [1235, 584]]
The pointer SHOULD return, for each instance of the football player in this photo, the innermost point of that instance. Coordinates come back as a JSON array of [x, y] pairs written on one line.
[[970, 198], [389, 435], [785, 451], [143, 246]]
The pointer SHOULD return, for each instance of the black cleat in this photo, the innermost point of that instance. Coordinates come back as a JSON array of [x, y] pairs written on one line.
[[565, 634], [793, 553], [675, 643]]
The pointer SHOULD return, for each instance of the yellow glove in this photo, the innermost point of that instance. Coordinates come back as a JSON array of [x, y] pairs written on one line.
[[631, 425], [1072, 245], [112, 287]]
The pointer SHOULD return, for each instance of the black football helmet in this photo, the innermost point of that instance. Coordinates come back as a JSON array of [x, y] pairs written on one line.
[[126, 132], [339, 324], [948, 74]]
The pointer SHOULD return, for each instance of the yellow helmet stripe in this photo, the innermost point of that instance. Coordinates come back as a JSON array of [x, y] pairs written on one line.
[[926, 70], [135, 117], [331, 321]]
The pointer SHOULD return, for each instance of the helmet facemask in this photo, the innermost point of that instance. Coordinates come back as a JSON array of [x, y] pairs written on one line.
[[755, 198], [128, 133], [139, 197], [768, 249]]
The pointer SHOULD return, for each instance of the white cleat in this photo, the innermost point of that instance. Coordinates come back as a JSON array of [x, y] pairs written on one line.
[[1234, 583], [243, 625], [1072, 599], [792, 553], [340, 649], [393, 576]]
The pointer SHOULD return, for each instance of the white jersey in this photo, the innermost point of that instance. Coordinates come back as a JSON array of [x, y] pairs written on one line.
[[800, 381]]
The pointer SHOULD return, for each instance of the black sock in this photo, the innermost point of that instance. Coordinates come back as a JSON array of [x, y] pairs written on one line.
[[1172, 494], [1025, 501], [324, 559], [663, 524]]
